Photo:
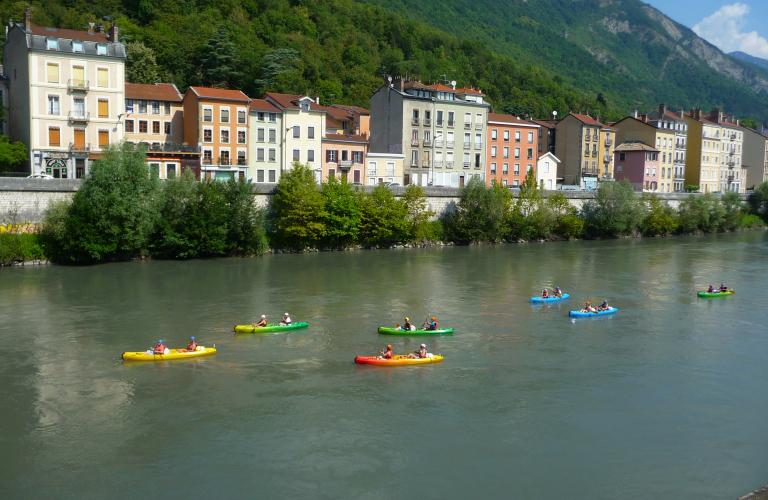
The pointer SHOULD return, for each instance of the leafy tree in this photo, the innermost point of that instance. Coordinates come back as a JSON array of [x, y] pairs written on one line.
[[701, 212], [299, 209], [659, 217], [748, 122], [384, 219], [615, 211], [518, 109], [220, 61], [732, 209], [567, 223], [758, 202], [140, 64], [417, 208], [342, 214], [279, 62], [482, 213], [12, 154]]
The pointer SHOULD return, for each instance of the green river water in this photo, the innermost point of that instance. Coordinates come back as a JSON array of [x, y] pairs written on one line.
[[666, 399]]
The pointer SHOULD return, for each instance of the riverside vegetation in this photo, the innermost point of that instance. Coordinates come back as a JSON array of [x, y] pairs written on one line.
[[123, 212]]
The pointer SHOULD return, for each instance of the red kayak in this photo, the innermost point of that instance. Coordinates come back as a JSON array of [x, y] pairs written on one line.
[[396, 360]]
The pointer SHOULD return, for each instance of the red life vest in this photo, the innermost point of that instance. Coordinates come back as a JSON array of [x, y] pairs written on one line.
[[159, 349], [192, 346]]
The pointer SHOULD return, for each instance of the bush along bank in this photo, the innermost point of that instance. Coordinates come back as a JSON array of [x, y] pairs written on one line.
[[122, 212]]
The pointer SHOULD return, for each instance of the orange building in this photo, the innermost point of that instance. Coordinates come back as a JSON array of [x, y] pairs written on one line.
[[512, 149], [345, 144], [216, 120]]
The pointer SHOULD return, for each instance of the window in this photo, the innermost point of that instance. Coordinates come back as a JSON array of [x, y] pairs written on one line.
[[272, 154], [273, 119], [207, 135], [530, 137], [53, 73], [505, 168], [272, 136], [260, 154], [103, 138], [142, 126], [155, 127], [129, 125], [207, 157], [310, 155], [530, 154], [167, 128], [102, 79], [493, 168], [53, 105], [241, 117], [155, 108], [224, 116], [439, 118], [129, 106], [506, 152], [101, 50], [143, 107], [260, 116], [79, 104], [494, 134], [517, 136], [271, 176], [546, 167], [517, 153], [167, 108], [503, 182], [517, 169], [259, 176], [52, 44], [330, 156], [450, 118], [207, 114], [78, 76], [260, 135], [311, 132], [241, 136], [493, 151], [225, 136], [103, 108], [622, 156], [506, 136], [54, 137], [297, 132], [297, 154], [77, 46]]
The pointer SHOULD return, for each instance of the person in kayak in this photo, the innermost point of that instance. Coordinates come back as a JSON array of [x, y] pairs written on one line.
[[386, 353], [192, 346], [286, 320], [604, 306], [433, 324], [545, 294], [398, 327], [160, 347], [558, 292], [711, 289], [262, 322], [421, 353], [588, 308], [407, 325], [723, 288]]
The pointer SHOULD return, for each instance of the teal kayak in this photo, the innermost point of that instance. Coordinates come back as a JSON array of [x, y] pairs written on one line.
[[272, 327], [394, 331], [540, 300], [579, 314]]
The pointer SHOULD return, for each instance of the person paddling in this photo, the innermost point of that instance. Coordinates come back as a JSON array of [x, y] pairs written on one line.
[[604, 306], [433, 324], [407, 325], [723, 288], [711, 289], [262, 322], [545, 294], [421, 353], [558, 292], [286, 320], [192, 346], [160, 347], [588, 308], [386, 353]]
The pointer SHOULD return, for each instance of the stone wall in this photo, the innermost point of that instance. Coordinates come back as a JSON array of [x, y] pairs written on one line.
[[31, 197]]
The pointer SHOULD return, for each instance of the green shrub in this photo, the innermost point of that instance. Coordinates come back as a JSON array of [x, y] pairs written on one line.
[[417, 207], [700, 212], [732, 209], [342, 214], [659, 217], [298, 209], [749, 221], [429, 232], [615, 211], [384, 219], [758, 202], [20, 247], [482, 214], [567, 223]]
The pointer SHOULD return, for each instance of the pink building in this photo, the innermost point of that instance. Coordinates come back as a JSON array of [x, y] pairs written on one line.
[[639, 164]]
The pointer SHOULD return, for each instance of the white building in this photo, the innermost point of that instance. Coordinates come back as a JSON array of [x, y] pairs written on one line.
[[546, 171]]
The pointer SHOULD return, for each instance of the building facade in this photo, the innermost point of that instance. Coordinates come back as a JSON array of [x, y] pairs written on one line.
[[664, 119], [304, 127], [216, 120], [384, 167], [755, 156], [579, 144], [657, 134], [546, 171], [512, 149], [266, 140], [702, 153], [65, 94], [732, 144], [639, 164], [344, 157]]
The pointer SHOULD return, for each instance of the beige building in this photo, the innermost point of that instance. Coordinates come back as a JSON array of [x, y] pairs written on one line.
[[655, 134], [65, 96], [703, 152], [154, 118], [664, 119], [732, 176], [580, 143], [755, 156], [385, 167], [304, 123], [267, 136]]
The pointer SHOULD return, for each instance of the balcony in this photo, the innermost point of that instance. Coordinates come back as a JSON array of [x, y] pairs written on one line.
[[79, 147], [75, 117], [427, 142], [710, 135], [529, 157], [466, 164], [594, 154], [450, 123], [595, 138], [425, 164], [346, 163], [81, 85], [467, 145], [478, 145], [224, 161], [172, 148], [242, 162], [207, 161], [478, 166], [438, 164], [467, 125], [505, 172], [608, 142], [449, 144], [414, 143], [414, 121], [414, 163], [478, 126], [427, 122], [449, 164], [590, 172], [607, 159], [438, 143]]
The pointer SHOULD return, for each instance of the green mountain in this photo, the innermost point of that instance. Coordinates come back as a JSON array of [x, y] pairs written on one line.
[[529, 56], [757, 61]]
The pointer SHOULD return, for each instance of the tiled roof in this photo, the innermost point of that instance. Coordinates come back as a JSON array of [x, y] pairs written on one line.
[[211, 93], [469, 91], [289, 101], [544, 123], [605, 127], [586, 119], [441, 87], [633, 118], [337, 113], [357, 109], [414, 85], [635, 146], [69, 34], [342, 137], [156, 92], [512, 120], [262, 105], [674, 116]]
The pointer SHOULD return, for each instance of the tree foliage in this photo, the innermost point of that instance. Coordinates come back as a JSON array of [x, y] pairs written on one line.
[[140, 64], [615, 211], [342, 214], [298, 209], [384, 218], [12, 154]]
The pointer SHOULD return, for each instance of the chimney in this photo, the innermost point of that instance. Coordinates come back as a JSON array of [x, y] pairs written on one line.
[[100, 27], [760, 128], [662, 110], [27, 19], [644, 118], [696, 114], [112, 33], [633, 113], [397, 83], [552, 116], [681, 113], [317, 100], [716, 115]]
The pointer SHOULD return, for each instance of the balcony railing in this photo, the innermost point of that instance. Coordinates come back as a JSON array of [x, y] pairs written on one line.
[[493, 171], [450, 123], [505, 172], [438, 164], [529, 157], [172, 148], [425, 164], [467, 125], [595, 138], [466, 164], [449, 144], [79, 147], [427, 142], [242, 162], [710, 135], [414, 163], [207, 161], [427, 122], [478, 126], [438, 143], [478, 166], [449, 164], [224, 161], [414, 143], [467, 145], [594, 154], [478, 145], [607, 159], [78, 85], [414, 121], [590, 172], [79, 117], [439, 123], [608, 142], [345, 163]]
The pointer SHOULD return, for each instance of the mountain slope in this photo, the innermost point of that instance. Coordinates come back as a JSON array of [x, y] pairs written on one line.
[[757, 61], [623, 48]]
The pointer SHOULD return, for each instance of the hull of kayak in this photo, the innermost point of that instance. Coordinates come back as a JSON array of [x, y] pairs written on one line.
[[269, 328], [396, 360], [718, 294], [174, 354], [579, 314], [540, 300], [392, 331]]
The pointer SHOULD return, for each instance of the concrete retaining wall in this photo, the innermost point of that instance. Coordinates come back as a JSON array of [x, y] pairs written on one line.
[[31, 197]]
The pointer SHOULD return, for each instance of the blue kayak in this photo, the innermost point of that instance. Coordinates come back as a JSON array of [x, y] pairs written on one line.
[[539, 300], [579, 314]]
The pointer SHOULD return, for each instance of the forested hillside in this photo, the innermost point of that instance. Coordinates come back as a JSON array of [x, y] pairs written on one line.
[[529, 57]]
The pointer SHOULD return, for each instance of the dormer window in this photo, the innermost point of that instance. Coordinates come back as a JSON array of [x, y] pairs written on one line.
[[101, 50], [77, 47], [52, 43], [305, 106]]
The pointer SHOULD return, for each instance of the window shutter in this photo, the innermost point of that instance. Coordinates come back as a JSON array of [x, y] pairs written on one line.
[[53, 73], [103, 109], [54, 136], [327, 155], [78, 75], [338, 158], [103, 78], [103, 138]]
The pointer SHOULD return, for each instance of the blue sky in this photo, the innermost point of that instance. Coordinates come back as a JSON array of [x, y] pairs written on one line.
[[729, 24]]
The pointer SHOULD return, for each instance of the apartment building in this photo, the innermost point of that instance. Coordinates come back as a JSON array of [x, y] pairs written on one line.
[[606, 146], [638, 163], [547, 132], [216, 120], [703, 152], [266, 134], [579, 143], [732, 147], [154, 118], [512, 149], [662, 118], [304, 127], [65, 94], [546, 171], [658, 134], [345, 146], [439, 129], [755, 157]]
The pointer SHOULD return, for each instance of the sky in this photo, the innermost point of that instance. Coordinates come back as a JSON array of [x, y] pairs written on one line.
[[729, 25]]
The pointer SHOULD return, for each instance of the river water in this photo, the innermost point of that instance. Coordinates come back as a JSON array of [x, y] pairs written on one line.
[[666, 399]]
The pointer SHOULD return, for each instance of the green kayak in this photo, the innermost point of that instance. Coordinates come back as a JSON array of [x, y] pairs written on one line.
[[272, 327], [716, 294], [394, 331]]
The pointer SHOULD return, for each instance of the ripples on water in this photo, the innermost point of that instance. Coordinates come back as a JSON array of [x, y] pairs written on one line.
[[665, 399]]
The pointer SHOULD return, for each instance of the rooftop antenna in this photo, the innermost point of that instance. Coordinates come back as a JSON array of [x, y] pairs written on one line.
[[91, 25]]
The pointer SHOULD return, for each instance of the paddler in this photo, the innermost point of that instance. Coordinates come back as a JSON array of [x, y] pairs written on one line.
[[262, 322], [604, 306], [421, 353], [160, 347], [723, 288], [711, 289], [192, 346], [433, 324], [407, 325], [286, 320], [588, 308], [386, 353], [558, 292], [545, 294]]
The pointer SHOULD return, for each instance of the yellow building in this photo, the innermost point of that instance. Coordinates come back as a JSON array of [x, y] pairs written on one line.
[[605, 148], [703, 151], [656, 135]]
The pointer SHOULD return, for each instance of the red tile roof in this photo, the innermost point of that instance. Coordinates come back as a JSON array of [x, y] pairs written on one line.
[[263, 105], [69, 34], [586, 119], [342, 137], [544, 123], [469, 91], [441, 87], [357, 109], [635, 146], [415, 85], [156, 92], [512, 120], [211, 93]]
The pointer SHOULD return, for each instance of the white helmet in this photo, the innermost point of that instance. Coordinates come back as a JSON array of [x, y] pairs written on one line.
[[263, 316], [424, 346]]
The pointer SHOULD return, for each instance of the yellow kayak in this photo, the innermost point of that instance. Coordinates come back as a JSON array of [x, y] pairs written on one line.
[[173, 354]]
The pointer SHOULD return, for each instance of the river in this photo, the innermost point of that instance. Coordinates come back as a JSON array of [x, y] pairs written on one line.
[[666, 399]]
